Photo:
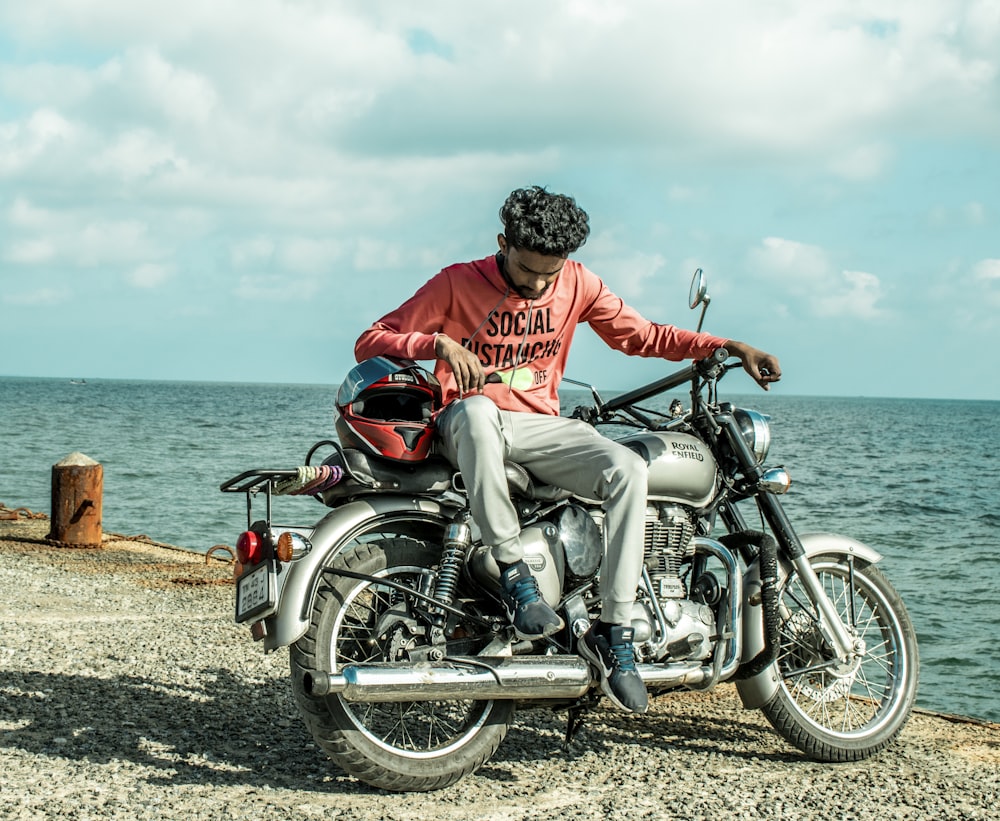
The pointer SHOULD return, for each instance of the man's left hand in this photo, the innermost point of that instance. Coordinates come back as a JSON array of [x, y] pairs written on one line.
[[762, 367]]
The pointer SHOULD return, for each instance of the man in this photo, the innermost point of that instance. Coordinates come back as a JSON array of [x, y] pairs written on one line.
[[500, 330]]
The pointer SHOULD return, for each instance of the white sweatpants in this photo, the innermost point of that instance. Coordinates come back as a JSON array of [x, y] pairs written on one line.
[[477, 437]]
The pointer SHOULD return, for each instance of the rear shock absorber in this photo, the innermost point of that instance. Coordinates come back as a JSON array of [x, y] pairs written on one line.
[[457, 538]]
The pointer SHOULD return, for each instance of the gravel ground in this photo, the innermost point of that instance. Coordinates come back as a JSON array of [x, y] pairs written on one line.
[[126, 691]]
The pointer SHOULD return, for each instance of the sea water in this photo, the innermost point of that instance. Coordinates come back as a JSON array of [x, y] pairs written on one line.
[[918, 480]]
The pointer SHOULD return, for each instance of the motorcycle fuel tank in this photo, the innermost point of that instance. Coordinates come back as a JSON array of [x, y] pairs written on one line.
[[681, 467]]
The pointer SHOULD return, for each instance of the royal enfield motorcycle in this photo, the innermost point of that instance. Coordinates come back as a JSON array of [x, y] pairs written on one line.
[[407, 673]]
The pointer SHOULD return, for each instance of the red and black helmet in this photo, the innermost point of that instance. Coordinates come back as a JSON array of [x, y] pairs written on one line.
[[386, 407]]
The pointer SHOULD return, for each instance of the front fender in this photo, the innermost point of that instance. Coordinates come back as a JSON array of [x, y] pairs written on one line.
[[299, 579], [757, 691]]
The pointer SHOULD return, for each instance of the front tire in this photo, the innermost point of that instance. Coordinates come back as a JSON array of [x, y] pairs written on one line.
[[403, 746], [834, 711]]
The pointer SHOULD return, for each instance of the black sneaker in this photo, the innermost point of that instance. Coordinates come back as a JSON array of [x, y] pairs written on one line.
[[531, 616], [608, 647]]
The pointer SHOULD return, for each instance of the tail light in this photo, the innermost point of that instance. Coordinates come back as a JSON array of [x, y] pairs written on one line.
[[249, 548]]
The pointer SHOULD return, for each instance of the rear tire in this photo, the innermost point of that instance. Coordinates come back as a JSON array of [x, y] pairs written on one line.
[[403, 746], [844, 712]]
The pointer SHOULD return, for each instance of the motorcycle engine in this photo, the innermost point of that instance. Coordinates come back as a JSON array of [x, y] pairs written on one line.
[[688, 625], [669, 531]]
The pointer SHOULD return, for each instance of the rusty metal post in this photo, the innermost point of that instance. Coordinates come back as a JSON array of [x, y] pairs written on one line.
[[77, 488]]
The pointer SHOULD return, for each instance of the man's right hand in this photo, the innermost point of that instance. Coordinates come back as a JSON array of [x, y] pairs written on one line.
[[468, 370]]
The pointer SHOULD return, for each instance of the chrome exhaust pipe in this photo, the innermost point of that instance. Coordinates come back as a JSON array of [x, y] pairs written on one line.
[[484, 678], [479, 677], [674, 674]]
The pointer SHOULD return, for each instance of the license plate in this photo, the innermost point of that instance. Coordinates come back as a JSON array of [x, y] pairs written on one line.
[[255, 592]]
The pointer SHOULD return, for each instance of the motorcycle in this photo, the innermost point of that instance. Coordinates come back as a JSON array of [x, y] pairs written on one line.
[[407, 673]]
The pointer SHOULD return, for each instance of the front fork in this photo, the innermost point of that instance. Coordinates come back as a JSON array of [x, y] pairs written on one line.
[[830, 624], [832, 627]]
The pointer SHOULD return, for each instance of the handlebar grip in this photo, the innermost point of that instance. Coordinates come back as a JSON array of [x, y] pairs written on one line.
[[716, 358]]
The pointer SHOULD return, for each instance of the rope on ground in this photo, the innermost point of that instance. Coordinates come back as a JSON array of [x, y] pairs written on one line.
[[221, 547], [138, 537], [144, 539], [11, 514]]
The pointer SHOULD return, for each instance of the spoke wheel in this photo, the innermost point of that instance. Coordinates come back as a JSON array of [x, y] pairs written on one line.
[[404, 745], [844, 710]]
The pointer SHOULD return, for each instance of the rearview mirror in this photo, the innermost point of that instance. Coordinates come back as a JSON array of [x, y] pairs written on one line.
[[698, 294], [699, 289]]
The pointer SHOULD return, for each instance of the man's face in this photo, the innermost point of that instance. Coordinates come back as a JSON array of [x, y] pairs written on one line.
[[530, 272]]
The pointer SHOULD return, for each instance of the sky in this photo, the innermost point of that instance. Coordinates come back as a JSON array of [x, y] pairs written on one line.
[[234, 190]]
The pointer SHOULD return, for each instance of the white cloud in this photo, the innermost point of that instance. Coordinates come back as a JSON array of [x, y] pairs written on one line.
[[46, 126], [856, 294], [986, 274], [943, 216], [302, 255], [73, 238], [252, 252], [987, 270], [628, 271], [792, 261], [148, 275], [40, 84], [862, 162], [975, 213], [378, 254], [181, 95], [275, 288], [138, 153], [807, 273], [110, 242], [632, 274], [682, 193], [23, 214], [23, 143], [722, 77], [39, 297], [937, 217], [971, 295], [29, 252], [328, 112], [305, 255]]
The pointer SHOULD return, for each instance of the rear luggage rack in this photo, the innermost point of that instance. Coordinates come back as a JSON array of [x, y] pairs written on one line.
[[255, 480]]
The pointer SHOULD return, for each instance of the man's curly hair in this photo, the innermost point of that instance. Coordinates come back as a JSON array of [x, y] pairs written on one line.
[[551, 224]]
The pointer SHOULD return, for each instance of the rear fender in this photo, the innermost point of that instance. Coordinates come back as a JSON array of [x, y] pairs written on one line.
[[757, 691], [299, 579]]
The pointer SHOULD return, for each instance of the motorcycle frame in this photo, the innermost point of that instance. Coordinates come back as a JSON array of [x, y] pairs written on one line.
[[298, 581]]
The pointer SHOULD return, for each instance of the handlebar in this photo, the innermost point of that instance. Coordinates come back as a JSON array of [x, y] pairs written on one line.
[[703, 366]]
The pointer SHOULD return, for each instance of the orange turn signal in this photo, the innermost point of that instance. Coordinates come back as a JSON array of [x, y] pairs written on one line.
[[285, 547]]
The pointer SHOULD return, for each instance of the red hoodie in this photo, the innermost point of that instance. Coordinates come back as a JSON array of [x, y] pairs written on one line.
[[526, 341]]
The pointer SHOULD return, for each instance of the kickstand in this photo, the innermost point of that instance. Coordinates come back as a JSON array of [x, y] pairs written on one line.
[[575, 720]]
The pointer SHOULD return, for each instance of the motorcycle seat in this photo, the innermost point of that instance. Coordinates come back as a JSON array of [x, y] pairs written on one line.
[[365, 473]]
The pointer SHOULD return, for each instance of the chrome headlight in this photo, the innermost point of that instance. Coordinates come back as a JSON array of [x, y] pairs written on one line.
[[756, 430]]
